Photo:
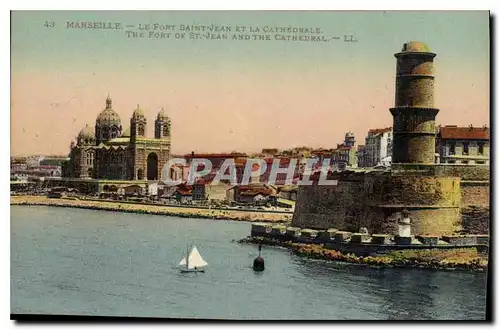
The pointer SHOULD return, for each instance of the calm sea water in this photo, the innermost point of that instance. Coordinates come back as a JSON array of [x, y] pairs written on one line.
[[85, 262]]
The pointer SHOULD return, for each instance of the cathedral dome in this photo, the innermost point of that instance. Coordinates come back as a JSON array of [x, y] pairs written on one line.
[[108, 116], [86, 136], [138, 113], [86, 133]]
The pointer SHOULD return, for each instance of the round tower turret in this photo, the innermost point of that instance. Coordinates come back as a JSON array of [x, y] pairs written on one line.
[[414, 114]]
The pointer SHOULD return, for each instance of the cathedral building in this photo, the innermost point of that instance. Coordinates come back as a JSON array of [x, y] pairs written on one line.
[[108, 153]]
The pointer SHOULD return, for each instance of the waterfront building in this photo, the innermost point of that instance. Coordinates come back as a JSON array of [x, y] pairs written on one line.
[[217, 192], [33, 161], [105, 152], [378, 146], [463, 145], [184, 193], [252, 193], [321, 154], [199, 191], [53, 161], [345, 155], [361, 156]]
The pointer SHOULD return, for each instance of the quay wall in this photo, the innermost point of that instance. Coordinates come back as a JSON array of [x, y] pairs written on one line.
[[363, 244]]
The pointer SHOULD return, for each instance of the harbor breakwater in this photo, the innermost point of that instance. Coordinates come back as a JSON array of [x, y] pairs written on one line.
[[450, 251], [216, 214], [451, 259]]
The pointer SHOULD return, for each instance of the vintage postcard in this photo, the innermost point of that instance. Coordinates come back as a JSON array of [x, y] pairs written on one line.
[[250, 165]]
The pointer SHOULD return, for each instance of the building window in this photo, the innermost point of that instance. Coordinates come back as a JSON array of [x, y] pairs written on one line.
[[141, 130], [452, 148], [480, 148], [465, 162], [480, 162], [451, 162], [465, 151]]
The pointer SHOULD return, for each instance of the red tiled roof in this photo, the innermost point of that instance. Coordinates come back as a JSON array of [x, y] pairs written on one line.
[[184, 192], [184, 186], [464, 133], [256, 189], [255, 192]]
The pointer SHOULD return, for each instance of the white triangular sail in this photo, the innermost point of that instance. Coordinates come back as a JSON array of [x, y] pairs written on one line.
[[183, 262], [195, 259]]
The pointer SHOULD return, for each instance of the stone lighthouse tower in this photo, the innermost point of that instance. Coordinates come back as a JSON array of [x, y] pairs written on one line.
[[414, 113]]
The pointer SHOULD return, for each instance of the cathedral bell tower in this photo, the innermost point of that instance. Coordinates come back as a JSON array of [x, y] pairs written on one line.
[[162, 125], [137, 130], [137, 124]]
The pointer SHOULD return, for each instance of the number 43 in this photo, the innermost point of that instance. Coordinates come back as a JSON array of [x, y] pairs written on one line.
[[49, 24]]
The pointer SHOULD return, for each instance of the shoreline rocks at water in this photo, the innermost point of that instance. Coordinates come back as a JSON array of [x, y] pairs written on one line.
[[457, 259], [215, 214]]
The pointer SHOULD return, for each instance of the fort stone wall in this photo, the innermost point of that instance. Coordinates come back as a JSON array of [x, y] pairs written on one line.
[[376, 201], [434, 196]]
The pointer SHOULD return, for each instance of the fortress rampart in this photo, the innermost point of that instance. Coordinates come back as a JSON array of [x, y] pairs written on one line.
[[376, 199], [432, 194]]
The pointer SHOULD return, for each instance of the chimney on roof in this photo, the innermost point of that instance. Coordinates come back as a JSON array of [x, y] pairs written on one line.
[[470, 127], [192, 153]]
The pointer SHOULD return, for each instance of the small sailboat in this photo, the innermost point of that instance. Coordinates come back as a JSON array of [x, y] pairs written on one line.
[[192, 262]]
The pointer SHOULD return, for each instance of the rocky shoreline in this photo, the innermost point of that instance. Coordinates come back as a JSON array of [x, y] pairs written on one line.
[[457, 259], [184, 212]]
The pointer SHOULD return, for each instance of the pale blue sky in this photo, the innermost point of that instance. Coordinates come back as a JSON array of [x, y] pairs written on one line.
[[457, 36], [225, 95]]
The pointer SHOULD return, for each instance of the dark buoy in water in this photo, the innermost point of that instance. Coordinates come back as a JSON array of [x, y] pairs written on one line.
[[258, 263]]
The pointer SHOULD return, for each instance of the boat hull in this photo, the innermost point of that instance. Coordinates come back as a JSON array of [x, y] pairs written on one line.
[[192, 270]]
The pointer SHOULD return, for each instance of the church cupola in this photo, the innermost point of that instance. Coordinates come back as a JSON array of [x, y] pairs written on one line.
[[162, 125], [86, 137], [138, 123], [108, 124]]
